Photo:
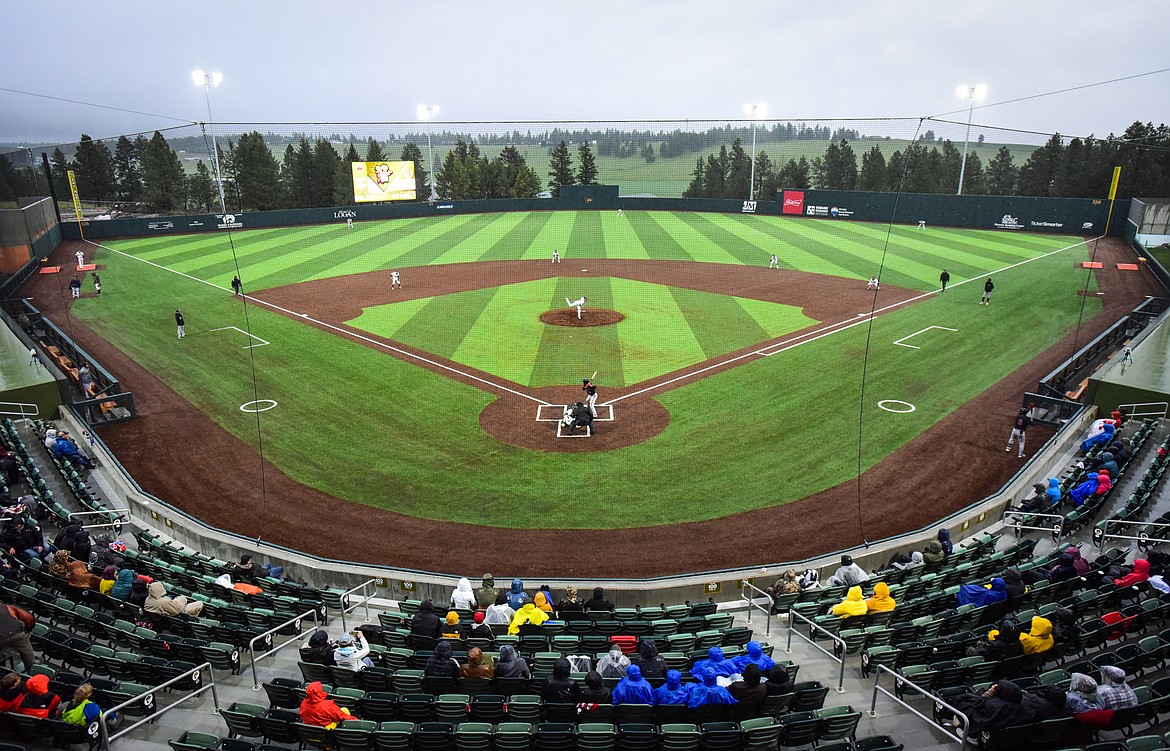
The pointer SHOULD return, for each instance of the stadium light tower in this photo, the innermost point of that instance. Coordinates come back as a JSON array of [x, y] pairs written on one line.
[[208, 81], [755, 112], [973, 94], [428, 113]]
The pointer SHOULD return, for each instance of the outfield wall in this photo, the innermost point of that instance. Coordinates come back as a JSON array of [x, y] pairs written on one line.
[[1060, 215]]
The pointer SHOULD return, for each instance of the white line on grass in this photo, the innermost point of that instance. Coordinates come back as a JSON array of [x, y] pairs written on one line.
[[833, 328], [338, 329], [916, 333], [245, 333]]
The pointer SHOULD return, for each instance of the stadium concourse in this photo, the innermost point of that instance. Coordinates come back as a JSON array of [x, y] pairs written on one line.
[[83, 635], [958, 460]]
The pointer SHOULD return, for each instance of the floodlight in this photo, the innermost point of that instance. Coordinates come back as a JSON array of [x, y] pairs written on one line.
[[755, 111], [975, 93]]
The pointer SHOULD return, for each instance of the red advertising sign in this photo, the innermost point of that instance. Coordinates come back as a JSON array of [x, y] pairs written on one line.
[[793, 202]]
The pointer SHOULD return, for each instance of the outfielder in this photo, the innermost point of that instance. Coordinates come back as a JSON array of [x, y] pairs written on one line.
[[349, 223], [579, 304], [395, 281], [590, 395]]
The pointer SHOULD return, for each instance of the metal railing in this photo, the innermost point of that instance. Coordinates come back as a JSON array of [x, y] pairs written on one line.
[[1019, 525], [147, 696], [792, 614], [371, 584], [1101, 533], [116, 524], [1146, 409], [745, 585], [252, 656], [25, 410], [938, 703]]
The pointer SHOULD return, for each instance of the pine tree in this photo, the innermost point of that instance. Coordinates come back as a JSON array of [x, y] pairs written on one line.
[[374, 151], [1001, 173], [95, 170], [257, 173], [126, 172], [343, 178], [560, 169], [873, 170], [412, 153], [201, 195], [163, 179], [324, 172], [587, 171]]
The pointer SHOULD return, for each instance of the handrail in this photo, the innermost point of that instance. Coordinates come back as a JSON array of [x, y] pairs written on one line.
[[938, 702], [35, 409], [116, 524], [1132, 411], [745, 585], [1101, 533], [300, 634], [186, 675], [1057, 528], [813, 626], [372, 584]]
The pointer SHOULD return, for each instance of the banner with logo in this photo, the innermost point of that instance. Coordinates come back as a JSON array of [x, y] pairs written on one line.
[[793, 202]]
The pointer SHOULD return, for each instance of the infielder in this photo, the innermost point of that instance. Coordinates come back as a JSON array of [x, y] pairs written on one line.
[[1018, 428], [395, 281], [556, 256], [590, 395], [774, 262], [579, 304]]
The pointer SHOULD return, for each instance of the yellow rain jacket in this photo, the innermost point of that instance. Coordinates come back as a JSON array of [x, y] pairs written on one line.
[[881, 601], [1040, 639], [852, 604], [529, 613]]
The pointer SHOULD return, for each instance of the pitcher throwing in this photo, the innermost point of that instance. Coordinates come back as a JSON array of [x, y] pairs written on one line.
[[579, 304]]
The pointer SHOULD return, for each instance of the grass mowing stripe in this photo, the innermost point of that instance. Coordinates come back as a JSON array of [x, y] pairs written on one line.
[[446, 233], [774, 237], [376, 246], [777, 320], [566, 352], [255, 260], [471, 247], [386, 320], [967, 260], [445, 320], [620, 239], [726, 241], [513, 309], [719, 323], [682, 227], [554, 233], [654, 338], [659, 244], [513, 243], [586, 241]]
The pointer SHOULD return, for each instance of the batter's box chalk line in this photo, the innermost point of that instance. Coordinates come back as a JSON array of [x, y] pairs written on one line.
[[557, 412], [245, 333], [560, 434]]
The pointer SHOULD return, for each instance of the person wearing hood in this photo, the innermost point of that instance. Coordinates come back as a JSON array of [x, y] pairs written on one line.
[[848, 574], [598, 602], [785, 585], [648, 660], [38, 701], [123, 585], [999, 707], [80, 578], [1113, 692], [462, 596], [1139, 575], [1039, 638], [510, 665], [613, 664], [542, 604], [1038, 501], [1082, 694], [1047, 705], [708, 690], [319, 710], [1100, 434], [477, 666], [749, 690], [157, 601], [59, 565], [1080, 565], [318, 650], [981, 595], [944, 539], [559, 687], [426, 623], [500, 614], [1053, 491], [852, 605], [441, 664], [1002, 642], [139, 591], [1109, 464], [517, 596], [451, 628], [1013, 583], [352, 650], [673, 691], [570, 604], [1065, 568], [1081, 492], [754, 655], [65, 448], [595, 691], [1119, 451], [933, 553], [528, 613], [916, 560], [1104, 482], [633, 689], [108, 552], [716, 663], [880, 602], [485, 596], [779, 680]]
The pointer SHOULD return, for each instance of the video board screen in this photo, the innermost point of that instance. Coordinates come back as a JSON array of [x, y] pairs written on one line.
[[383, 181]]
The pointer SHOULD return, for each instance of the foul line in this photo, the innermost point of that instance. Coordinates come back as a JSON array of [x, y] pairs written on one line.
[[833, 328], [338, 329]]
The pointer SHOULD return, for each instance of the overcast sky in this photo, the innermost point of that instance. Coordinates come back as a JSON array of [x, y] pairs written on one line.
[[345, 61]]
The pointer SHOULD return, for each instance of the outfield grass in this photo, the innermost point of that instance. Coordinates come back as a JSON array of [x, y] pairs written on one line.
[[373, 429]]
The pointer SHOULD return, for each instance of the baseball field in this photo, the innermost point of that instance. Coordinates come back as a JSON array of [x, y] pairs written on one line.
[[732, 386]]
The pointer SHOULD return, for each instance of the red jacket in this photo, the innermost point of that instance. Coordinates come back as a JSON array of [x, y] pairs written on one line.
[[38, 702], [318, 709]]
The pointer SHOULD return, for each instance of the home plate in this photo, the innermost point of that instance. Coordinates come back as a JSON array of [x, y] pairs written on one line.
[[584, 269]]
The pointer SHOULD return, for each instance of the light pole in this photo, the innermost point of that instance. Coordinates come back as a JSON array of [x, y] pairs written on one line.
[[755, 112], [428, 112], [973, 93], [207, 81]]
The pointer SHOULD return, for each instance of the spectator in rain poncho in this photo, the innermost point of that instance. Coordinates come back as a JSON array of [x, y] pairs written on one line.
[[614, 663], [1081, 492], [528, 613], [916, 560], [981, 596], [1139, 575], [1109, 464], [1054, 492], [1104, 482], [516, 595], [1039, 638], [1082, 694], [1113, 692], [708, 690], [123, 585], [648, 660], [500, 614], [633, 689], [462, 596], [671, 692], [880, 602], [944, 539], [542, 604], [1101, 434], [755, 655], [510, 665], [852, 605], [848, 574], [1080, 565], [716, 663], [933, 554]]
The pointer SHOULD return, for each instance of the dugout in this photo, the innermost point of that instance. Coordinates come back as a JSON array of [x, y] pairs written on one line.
[[1144, 381]]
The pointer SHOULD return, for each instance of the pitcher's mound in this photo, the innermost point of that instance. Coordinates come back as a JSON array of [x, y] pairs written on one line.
[[591, 317]]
